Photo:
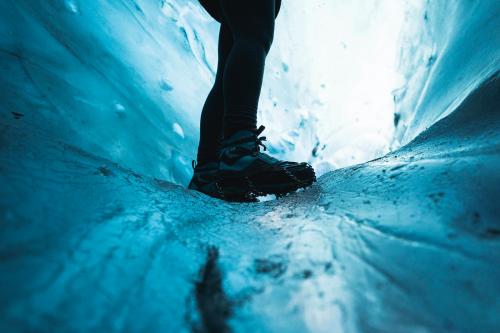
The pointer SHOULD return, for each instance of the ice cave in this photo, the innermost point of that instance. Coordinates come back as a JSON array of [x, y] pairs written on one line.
[[396, 103]]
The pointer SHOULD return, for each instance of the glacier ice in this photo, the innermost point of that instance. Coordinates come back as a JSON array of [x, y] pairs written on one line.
[[99, 115], [135, 75], [394, 245], [444, 60]]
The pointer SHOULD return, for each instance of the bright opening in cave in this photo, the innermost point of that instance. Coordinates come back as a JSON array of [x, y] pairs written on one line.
[[328, 94], [330, 79]]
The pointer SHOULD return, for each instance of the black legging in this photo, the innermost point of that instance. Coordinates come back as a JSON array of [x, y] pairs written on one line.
[[246, 35]]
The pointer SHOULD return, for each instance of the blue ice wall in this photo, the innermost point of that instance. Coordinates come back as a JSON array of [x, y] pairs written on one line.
[[446, 53], [121, 79], [126, 79]]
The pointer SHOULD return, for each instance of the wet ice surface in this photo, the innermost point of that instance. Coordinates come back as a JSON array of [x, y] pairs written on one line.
[[405, 243]]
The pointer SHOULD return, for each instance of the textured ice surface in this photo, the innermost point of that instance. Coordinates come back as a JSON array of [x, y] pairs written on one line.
[[100, 100], [122, 79], [406, 243]]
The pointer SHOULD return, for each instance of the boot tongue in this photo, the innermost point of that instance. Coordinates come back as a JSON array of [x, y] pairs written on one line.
[[240, 137]]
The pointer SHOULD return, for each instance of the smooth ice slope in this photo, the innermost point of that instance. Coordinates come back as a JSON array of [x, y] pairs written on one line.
[[455, 49]]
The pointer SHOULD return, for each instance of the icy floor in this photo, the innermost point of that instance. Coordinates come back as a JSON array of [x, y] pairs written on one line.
[[406, 243]]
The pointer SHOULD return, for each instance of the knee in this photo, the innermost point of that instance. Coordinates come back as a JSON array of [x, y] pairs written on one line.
[[258, 40]]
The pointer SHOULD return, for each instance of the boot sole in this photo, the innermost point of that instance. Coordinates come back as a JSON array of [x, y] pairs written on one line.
[[241, 187], [236, 189]]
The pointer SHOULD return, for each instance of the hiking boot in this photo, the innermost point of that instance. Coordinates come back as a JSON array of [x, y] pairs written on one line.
[[245, 171]]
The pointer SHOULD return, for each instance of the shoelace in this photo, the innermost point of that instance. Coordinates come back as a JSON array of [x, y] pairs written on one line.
[[260, 140]]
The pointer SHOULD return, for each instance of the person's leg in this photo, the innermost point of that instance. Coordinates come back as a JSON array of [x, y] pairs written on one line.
[[252, 26], [213, 111], [242, 171]]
